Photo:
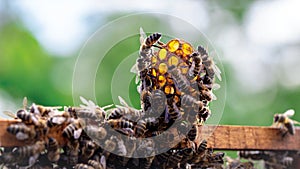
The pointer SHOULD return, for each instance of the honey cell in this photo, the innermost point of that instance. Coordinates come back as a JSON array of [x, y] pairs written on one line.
[[162, 54], [173, 60], [169, 90], [162, 68], [187, 49], [173, 45]]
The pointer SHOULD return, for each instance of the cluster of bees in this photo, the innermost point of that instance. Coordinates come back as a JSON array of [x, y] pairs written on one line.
[[175, 86]]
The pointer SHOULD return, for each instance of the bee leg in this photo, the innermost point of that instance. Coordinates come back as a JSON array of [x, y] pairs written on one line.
[[283, 133]]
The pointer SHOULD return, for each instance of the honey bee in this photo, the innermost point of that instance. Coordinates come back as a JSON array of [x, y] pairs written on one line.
[[120, 124], [21, 131], [188, 102], [192, 134], [234, 163], [158, 101], [172, 112], [30, 150], [91, 110], [53, 153], [88, 149], [174, 159], [95, 164], [140, 128], [146, 98], [179, 79], [42, 110], [200, 153], [195, 67], [125, 111], [283, 120], [73, 130], [211, 67], [96, 132], [73, 152]]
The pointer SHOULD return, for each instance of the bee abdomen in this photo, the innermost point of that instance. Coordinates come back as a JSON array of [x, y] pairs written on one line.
[[151, 39]]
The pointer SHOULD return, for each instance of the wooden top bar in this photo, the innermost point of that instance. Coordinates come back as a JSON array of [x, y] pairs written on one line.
[[223, 137]]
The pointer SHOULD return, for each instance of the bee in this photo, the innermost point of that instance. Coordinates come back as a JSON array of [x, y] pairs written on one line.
[[188, 102], [233, 163], [211, 67], [42, 110], [158, 102], [151, 123], [96, 164], [125, 111], [283, 120], [59, 118], [96, 132], [195, 68], [30, 150], [73, 151], [173, 112], [91, 110], [140, 128], [192, 134], [146, 44], [200, 153], [203, 115], [87, 149], [53, 153], [120, 124], [174, 159], [146, 98], [73, 130], [21, 131], [180, 80]]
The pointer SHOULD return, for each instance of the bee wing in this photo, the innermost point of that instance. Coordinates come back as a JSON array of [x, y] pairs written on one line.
[[22, 136], [217, 72], [134, 69], [103, 161], [143, 35], [214, 97], [122, 101], [10, 114], [296, 122], [216, 86], [289, 113], [25, 101], [107, 106], [58, 120], [77, 133], [83, 100]]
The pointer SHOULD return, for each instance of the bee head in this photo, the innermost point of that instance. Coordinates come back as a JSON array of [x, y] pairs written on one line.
[[276, 118]]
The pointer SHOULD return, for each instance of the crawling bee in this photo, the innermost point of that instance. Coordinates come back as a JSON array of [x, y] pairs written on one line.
[[125, 111], [283, 120], [42, 110], [190, 103], [30, 150], [96, 132], [211, 67], [140, 128], [88, 148], [158, 101], [73, 130], [21, 131], [53, 152], [192, 134], [195, 67]]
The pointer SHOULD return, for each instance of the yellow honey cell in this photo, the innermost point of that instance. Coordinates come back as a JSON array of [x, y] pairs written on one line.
[[173, 60], [162, 80], [162, 68], [162, 54], [184, 68], [173, 45], [179, 52], [187, 49], [169, 90], [153, 72], [153, 60]]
